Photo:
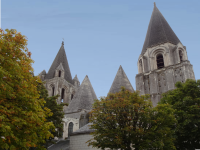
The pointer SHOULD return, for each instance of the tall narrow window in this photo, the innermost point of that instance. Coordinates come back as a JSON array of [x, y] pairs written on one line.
[[181, 55], [72, 96], [62, 94], [141, 68], [59, 75], [53, 90], [160, 61], [70, 128]]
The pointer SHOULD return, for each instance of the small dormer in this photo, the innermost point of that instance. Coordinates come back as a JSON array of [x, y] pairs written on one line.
[[59, 72]]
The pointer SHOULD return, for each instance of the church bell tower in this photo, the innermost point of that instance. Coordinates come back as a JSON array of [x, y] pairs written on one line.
[[163, 60]]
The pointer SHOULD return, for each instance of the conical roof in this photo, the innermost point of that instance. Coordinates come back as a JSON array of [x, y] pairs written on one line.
[[76, 78], [84, 97], [120, 80], [159, 31], [60, 58]]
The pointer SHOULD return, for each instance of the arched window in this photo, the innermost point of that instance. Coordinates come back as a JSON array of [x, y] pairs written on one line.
[[141, 68], [62, 94], [72, 96], [70, 128], [160, 61], [53, 89], [59, 73], [181, 55]]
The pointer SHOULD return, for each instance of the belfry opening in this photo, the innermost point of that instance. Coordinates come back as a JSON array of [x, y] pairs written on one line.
[[160, 61]]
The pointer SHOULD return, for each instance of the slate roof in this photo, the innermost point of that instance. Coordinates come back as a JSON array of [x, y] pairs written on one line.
[[120, 80], [159, 31], [76, 78], [60, 58], [85, 129], [84, 97], [61, 145]]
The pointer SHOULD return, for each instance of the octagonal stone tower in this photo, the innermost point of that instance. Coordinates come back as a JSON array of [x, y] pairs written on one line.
[[163, 60], [58, 80]]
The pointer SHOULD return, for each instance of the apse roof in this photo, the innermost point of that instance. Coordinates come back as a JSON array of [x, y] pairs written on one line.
[[84, 97]]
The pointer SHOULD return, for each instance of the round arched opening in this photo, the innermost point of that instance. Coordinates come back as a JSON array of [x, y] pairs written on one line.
[[160, 61], [181, 55], [59, 73], [62, 95], [70, 128], [140, 67]]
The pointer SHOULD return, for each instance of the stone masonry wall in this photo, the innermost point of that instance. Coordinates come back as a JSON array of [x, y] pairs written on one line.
[[162, 80], [58, 84]]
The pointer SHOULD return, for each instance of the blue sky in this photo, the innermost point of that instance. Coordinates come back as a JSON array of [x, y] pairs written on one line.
[[99, 35]]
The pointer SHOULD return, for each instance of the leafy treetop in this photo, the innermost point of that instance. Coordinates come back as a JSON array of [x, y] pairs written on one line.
[[124, 120], [23, 121], [185, 100]]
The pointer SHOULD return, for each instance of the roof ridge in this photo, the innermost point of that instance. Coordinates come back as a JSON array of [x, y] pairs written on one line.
[[163, 26]]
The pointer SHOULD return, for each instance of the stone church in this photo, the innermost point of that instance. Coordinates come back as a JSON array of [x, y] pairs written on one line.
[[163, 61]]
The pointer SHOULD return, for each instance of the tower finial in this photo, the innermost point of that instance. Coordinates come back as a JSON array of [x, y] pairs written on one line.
[[154, 4], [62, 42]]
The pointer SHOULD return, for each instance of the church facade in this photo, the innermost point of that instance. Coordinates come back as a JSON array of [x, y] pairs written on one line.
[[162, 62]]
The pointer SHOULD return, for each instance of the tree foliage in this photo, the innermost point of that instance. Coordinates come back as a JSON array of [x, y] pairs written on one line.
[[185, 100], [56, 109], [126, 119], [22, 118]]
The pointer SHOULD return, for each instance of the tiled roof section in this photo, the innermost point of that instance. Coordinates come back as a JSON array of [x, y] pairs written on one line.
[[60, 58], [159, 31], [60, 145], [84, 129], [120, 80], [84, 97]]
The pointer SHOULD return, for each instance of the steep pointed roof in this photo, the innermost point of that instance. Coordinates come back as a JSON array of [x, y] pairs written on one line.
[[76, 78], [60, 58], [120, 80], [84, 97], [159, 31]]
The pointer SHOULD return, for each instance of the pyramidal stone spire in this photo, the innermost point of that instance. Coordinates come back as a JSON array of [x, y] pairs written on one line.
[[84, 97], [159, 31], [60, 58], [121, 80], [76, 78]]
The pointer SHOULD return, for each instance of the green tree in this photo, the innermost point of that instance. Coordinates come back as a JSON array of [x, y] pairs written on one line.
[[125, 119], [56, 109], [185, 100], [22, 118]]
